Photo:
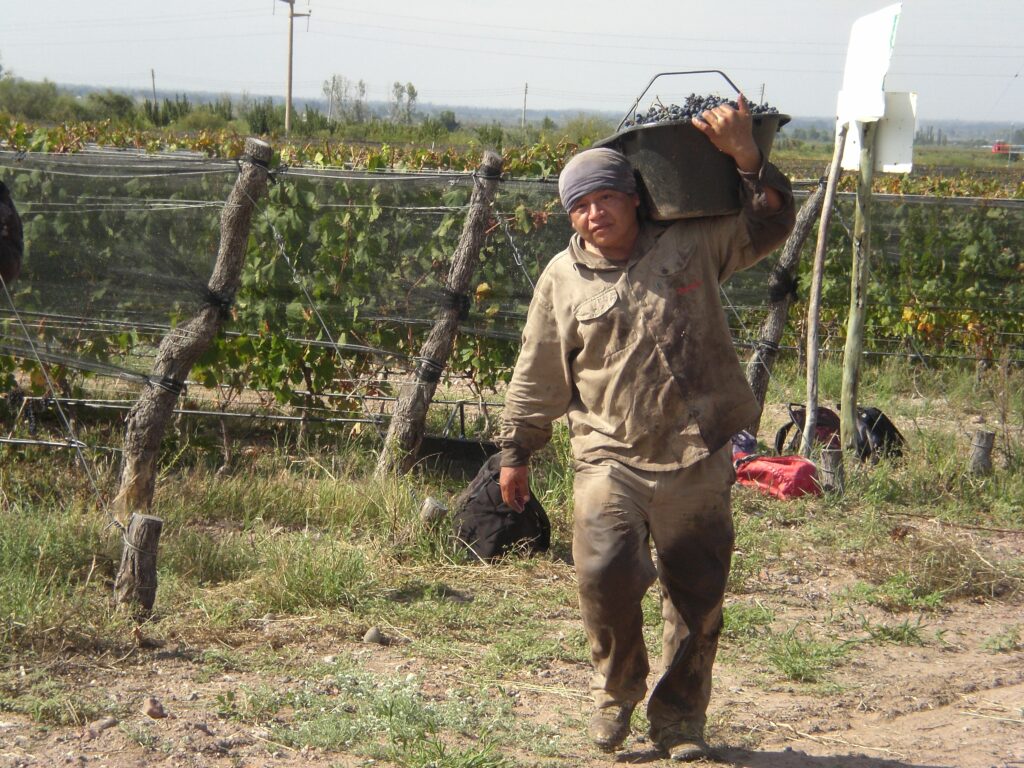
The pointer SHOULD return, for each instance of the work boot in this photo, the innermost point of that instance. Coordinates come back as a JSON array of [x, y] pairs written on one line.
[[609, 726], [683, 742]]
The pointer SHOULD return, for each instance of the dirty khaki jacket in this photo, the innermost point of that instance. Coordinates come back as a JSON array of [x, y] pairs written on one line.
[[638, 354]]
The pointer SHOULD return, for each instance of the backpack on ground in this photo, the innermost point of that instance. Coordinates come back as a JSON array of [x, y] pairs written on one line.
[[826, 429], [489, 528], [876, 437]]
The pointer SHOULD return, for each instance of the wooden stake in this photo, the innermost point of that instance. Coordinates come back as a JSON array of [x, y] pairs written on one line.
[[759, 367], [814, 297], [831, 474], [859, 275], [179, 350], [405, 432], [136, 578], [981, 452]]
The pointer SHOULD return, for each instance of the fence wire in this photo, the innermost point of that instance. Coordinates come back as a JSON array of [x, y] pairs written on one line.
[[120, 245]]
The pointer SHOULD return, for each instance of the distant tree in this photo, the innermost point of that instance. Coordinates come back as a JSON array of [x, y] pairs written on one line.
[[177, 109], [346, 100], [336, 91], [111, 105], [548, 124], [222, 107], [410, 103], [396, 102], [447, 119], [492, 136], [586, 129], [38, 101], [263, 116], [402, 105], [313, 120], [360, 111]]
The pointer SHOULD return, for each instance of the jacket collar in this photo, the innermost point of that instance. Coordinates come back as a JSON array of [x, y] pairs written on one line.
[[649, 233]]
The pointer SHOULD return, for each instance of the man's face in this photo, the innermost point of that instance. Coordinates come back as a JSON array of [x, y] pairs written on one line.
[[606, 218]]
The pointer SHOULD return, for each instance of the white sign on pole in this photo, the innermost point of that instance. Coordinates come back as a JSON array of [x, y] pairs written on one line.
[[872, 39], [863, 98], [894, 136]]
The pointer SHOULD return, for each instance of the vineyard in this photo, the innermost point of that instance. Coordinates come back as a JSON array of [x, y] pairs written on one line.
[[307, 615], [347, 260]]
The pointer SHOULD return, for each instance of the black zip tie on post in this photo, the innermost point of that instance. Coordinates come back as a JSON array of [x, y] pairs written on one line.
[[221, 302], [247, 158], [457, 301], [478, 175], [780, 285], [167, 384], [429, 370]]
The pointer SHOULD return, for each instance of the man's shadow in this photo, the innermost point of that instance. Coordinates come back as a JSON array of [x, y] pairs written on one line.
[[747, 758]]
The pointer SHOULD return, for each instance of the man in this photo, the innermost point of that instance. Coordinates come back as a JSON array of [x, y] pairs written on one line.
[[626, 336], [12, 243]]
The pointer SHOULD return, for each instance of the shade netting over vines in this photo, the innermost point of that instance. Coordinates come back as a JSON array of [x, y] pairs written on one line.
[[344, 276]]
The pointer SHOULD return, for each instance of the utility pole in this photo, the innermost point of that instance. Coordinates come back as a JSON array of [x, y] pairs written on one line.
[[291, 34], [330, 101], [152, 75], [526, 87]]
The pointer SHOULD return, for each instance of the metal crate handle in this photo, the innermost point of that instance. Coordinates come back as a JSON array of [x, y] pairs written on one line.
[[632, 110]]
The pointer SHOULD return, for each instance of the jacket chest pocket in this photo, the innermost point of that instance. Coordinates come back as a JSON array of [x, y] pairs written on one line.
[[605, 324], [678, 276]]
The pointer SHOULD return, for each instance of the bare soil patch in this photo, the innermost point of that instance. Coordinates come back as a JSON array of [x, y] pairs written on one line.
[[955, 700]]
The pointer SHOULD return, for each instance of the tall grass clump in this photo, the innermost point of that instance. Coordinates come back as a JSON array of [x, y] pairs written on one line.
[[305, 571], [54, 565]]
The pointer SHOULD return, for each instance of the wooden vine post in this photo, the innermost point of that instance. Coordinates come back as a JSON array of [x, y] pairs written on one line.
[[178, 352], [884, 123], [781, 294], [405, 432], [831, 474], [859, 275], [136, 578], [814, 296], [981, 452]]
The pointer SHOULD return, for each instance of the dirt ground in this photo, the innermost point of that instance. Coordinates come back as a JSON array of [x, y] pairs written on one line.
[[951, 702]]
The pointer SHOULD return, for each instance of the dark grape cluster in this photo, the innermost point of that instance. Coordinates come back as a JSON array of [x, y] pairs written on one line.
[[692, 107]]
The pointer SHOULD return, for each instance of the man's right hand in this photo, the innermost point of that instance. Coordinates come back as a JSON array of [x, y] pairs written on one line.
[[515, 486]]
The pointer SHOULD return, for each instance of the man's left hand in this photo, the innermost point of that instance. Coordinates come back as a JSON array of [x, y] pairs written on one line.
[[731, 131]]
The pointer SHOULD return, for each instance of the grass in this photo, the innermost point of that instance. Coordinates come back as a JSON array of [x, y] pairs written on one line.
[[1008, 641], [44, 698], [746, 620], [337, 711], [904, 633], [803, 659], [302, 547]]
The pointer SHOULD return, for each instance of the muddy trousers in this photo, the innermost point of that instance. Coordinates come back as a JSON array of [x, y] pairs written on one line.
[[686, 513]]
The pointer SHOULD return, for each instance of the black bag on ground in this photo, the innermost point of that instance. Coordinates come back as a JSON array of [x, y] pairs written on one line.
[[489, 528], [826, 429], [877, 436]]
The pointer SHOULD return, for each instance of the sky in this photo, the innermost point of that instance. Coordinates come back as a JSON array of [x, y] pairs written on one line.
[[964, 58]]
